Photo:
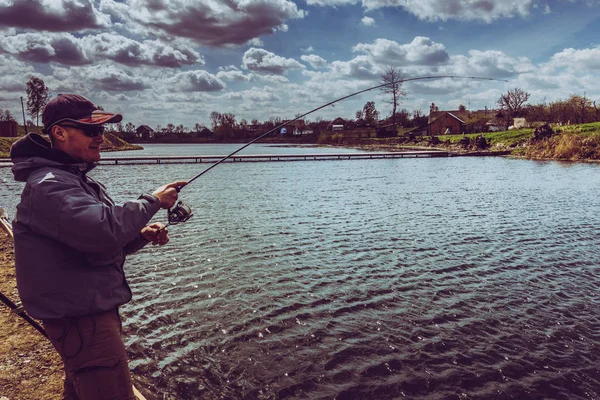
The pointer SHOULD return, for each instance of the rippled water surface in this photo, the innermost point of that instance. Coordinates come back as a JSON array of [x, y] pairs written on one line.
[[442, 278]]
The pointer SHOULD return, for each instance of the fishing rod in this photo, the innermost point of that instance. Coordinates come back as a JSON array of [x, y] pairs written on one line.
[[182, 212]]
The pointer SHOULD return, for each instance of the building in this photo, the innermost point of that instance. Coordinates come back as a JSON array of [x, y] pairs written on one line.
[[338, 124], [144, 132], [519, 123], [446, 123], [8, 128]]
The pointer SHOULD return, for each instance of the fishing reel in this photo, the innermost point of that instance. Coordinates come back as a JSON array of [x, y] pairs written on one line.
[[179, 213]]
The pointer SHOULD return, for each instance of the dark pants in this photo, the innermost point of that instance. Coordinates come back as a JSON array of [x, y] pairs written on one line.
[[94, 356]]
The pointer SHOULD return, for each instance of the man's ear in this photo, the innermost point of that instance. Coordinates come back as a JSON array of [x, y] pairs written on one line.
[[58, 133]]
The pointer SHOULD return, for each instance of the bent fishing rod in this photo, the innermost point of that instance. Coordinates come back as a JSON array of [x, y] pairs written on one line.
[[182, 212]]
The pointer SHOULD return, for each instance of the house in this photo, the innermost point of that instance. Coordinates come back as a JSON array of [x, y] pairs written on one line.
[[144, 132], [497, 123], [8, 128], [445, 123], [337, 124]]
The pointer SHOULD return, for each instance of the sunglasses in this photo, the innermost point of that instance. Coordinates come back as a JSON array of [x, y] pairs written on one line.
[[89, 131]]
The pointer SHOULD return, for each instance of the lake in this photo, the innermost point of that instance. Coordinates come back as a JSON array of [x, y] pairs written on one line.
[[428, 278]]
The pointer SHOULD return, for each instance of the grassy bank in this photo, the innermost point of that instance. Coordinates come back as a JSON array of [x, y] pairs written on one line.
[[573, 143], [111, 143]]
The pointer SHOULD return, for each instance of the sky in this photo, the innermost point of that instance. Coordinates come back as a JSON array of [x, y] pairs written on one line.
[[176, 61]]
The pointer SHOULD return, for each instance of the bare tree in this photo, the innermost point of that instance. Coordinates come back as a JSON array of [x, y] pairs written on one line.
[[392, 79], [578, 106], [513, 102], [215, 119], [38, 96]]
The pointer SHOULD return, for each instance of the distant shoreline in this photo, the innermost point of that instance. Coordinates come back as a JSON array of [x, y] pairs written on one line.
[[579, 143]]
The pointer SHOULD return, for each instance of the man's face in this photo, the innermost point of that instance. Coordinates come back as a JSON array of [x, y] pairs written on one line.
[[79, 145]]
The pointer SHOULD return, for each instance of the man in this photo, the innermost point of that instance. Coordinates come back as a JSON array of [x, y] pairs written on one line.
[[71, 240]]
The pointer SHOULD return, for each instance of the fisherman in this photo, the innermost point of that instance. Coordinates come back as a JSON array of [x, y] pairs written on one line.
[[71, 240]]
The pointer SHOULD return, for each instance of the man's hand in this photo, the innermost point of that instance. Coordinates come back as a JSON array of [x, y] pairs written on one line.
[[167, 194], [155, 233]]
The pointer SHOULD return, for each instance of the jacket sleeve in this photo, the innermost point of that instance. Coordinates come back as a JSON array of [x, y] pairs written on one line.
[[63, 210], [135, 245]]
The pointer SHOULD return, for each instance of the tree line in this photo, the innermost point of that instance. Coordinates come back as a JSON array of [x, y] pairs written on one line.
[[576, 109]]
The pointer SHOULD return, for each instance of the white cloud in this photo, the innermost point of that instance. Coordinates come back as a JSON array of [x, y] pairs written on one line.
[[577, 60], [255, 42], [101, 76], [52, 15], [361, 67], [314, 61], [13, 75], [196, 81], [367, 21], [421, 51], [494, 64], [64, 48], [265, 62], [272, 78], [331, 3], [131, 52], [256, 95], [232, 73], [433, 10]]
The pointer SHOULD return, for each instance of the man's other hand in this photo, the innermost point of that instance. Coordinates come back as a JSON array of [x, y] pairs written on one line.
[[155, 233]]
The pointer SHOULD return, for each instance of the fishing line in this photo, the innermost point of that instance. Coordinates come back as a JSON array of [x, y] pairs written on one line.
[[182, 212]]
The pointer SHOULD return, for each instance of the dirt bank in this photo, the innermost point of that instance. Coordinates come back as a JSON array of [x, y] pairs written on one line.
[[29, 367]]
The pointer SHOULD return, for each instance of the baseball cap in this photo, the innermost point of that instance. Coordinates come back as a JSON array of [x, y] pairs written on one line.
[[76, 109]]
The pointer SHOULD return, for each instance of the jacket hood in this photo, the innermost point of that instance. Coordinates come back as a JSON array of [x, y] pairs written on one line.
[[33, 151]]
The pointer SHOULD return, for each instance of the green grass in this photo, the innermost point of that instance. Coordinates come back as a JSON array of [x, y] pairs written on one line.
[[507, 138], [591, 129]]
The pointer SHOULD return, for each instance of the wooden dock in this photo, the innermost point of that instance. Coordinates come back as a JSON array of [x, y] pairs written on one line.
[[6, 162], [266, 157], [197, 159]]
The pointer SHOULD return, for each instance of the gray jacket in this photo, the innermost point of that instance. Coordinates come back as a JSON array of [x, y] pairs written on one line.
[[71, 239]]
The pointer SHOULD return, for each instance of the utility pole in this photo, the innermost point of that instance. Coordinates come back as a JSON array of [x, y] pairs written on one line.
[[24, 121]]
